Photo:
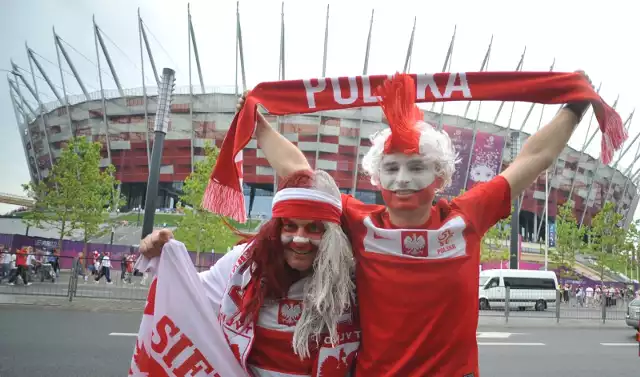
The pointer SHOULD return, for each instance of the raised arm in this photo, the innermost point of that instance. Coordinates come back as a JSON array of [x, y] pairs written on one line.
[[282, 155], [542, 148]]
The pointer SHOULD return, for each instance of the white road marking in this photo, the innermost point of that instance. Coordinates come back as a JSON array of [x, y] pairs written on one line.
[[509, 344], [494, 335], [123, 334], [619, 344]]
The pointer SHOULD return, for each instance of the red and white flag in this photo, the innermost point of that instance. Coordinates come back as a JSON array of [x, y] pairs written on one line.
[[179, 334]]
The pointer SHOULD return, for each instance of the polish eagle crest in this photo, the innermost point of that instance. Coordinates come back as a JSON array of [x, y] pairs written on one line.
[[414, 244], [290, 312]]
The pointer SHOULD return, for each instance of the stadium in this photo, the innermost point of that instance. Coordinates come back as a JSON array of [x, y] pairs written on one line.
[[122, 121]]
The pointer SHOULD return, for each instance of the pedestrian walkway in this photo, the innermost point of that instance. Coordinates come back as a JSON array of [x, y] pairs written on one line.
[[78, 303]]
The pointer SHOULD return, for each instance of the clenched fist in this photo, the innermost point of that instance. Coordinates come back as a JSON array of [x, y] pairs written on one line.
[[151, 245]]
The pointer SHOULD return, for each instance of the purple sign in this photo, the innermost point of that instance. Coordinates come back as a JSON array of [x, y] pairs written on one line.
[[70, 250], [461, 139], [485, 162]]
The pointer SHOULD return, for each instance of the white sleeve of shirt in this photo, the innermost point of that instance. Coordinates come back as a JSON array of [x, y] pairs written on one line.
[[216, 279]]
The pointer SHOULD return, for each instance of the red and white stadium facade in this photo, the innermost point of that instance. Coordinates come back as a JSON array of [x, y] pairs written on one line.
[[330, 140]]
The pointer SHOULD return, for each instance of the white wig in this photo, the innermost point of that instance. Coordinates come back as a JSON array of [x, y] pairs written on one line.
[[435, 146], [330, 291]]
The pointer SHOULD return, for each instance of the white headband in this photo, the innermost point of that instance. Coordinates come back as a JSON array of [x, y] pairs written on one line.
[[306, 194]]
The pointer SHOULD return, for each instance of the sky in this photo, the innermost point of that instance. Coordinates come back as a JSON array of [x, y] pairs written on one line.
[[593, 36]]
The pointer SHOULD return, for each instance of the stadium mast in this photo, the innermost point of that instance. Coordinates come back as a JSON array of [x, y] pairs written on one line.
[[239, 52], [483, 67], [96, 36], [36, 95], [281, 76], [407, 60], [447, 68], [447, 58], [628, 178], [17, 113], [64, 86], [145, 99], [25, 120], [324, 74], [192, 35], [359, 138], [620, 158], [595, 175]]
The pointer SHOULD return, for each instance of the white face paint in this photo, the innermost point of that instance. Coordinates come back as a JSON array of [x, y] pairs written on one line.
[[287, 239], [401, 172]]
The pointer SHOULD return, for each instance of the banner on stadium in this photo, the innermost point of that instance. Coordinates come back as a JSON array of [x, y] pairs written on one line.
[[462, 138], [485, 162], [552, 234]]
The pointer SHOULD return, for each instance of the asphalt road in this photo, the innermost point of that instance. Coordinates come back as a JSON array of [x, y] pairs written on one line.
[[67, 343]]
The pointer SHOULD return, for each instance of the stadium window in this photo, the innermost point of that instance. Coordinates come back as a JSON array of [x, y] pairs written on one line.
[[135, 101], [343, 165]]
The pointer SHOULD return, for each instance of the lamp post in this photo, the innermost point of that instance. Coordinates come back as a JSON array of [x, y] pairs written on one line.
[[165, 93], [515, 216]]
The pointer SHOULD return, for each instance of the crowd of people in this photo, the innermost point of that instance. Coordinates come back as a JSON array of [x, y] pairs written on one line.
[[588, 296], [25, 263], [98, 265]]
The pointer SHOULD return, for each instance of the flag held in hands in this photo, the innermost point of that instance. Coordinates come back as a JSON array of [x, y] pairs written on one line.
[[179, 334]]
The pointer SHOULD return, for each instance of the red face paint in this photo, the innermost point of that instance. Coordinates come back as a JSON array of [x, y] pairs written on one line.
[[405, 202], [300, 239], [412, 201], [301, 236]]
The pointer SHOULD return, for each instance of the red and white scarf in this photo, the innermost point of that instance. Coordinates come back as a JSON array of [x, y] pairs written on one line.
[[224, 194]]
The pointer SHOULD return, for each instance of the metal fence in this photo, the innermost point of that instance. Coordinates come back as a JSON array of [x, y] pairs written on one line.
[[134, 286], [78, 281], [599, 306]]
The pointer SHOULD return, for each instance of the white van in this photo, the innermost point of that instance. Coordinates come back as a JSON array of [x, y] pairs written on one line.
[[529, 289]]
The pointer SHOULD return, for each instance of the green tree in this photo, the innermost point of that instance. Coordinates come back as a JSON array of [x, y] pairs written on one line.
[[607, 238], [569, 239], [495, 243], [99, 194], [201, 230], [631, 249], [60, 198]]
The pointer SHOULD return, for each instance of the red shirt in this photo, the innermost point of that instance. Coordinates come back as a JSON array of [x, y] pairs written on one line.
[[21, 257], [418, 288]]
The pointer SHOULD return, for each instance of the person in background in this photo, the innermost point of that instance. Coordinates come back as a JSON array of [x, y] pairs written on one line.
[[123, 265], [54, 259], [105, 268], [5, 263], [79, 266], [96, 263], [129, 271], [580, 294], [21, 266]]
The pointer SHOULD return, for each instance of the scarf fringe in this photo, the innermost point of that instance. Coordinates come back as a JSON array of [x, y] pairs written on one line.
[[613, 135], [225, 201]]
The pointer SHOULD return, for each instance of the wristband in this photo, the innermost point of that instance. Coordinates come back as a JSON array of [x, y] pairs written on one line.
[[577, 108]]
